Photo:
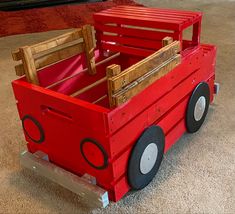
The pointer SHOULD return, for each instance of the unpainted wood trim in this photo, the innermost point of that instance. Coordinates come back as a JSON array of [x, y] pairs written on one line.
[[144, 81], [139, 69]]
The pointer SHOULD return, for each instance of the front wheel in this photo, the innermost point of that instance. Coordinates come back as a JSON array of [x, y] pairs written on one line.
[[197, 107], [146, 157]]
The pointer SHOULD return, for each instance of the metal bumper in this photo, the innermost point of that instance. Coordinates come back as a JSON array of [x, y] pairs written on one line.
[[83, 186]]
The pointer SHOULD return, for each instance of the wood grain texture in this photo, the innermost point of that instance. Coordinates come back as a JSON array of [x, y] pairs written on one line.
[[111, 71], [141, 83], [137, 70], [94, 195], [89, 87], [59, 55], [166, 41], [29, 65], [54, 50], [57, 41], [88, 35]]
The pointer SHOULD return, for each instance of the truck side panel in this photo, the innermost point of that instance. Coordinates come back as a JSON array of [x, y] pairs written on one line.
[[168, 112]]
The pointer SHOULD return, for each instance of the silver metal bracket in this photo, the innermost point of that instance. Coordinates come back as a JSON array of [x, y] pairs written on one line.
[[216, 88]]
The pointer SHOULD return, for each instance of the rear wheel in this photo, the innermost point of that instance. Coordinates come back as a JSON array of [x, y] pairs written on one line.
[[197, 107], [146, 157]]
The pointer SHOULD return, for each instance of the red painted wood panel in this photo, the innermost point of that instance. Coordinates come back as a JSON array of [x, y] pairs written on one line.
[[133, 42], [134, 32], [144, 22], [127, 50], [127, 111]]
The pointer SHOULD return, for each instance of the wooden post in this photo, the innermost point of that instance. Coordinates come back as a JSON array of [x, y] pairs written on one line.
[[166, 41], [29, 65], [112, 71], [89, 48]]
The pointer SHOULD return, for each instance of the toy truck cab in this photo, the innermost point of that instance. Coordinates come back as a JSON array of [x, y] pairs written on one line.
[[111, 111]]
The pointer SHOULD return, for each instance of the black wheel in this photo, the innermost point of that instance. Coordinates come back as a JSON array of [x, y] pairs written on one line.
[[146, 157], [197, 107]]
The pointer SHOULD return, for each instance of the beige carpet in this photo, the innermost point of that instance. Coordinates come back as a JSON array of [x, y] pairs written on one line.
[[196, 176]]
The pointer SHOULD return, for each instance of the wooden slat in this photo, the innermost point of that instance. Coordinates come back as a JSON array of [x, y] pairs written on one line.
[[89, 48], [133, 32], [94, 195], [141, 83], [139, 14], [166, 41], [16, 55], [29, 65], [59, 55], [100, 99], [89, 87], [136, 21], [137, 70], [59, 40], [112, 71], [19, 70], [128, 50], [134, 42]]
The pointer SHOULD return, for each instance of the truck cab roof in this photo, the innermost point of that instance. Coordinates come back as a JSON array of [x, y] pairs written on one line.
[[168, 19], [140, 30]]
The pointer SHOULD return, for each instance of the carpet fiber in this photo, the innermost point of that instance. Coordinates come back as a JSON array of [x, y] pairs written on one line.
[[52, 18], [196, 175]]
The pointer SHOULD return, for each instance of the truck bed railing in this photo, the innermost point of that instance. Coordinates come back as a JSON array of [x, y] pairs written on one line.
[[38, 56], [122, 86]]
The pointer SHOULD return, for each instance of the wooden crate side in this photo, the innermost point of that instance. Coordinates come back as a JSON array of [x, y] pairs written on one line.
[[141, 83], [137, 70], [51, 51], [28, 65], [57, 41], [59, 55]]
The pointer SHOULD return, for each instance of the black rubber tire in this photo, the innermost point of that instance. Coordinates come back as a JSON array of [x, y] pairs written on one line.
[[193, 125], [137, 180]]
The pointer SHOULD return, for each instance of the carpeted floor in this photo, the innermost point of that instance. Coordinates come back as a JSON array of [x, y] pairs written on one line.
[[196, 176]]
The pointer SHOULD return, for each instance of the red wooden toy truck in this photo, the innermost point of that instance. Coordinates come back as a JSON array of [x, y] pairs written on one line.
[[99, 112]]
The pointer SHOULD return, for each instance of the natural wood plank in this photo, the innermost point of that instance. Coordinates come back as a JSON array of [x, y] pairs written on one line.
[[89, 48], [57, 41], [101, 98], [94, 195], [166, 41], [111, 71], [137, 70], [29, 65], [59, 55], [89, 87], [19, 70], [16, 55], [144, 81]]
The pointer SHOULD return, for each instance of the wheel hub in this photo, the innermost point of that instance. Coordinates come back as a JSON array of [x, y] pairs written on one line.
[[199, 108], [148, 158]]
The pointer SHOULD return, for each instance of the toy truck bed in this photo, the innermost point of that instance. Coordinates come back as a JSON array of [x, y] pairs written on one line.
[[87, 107]]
